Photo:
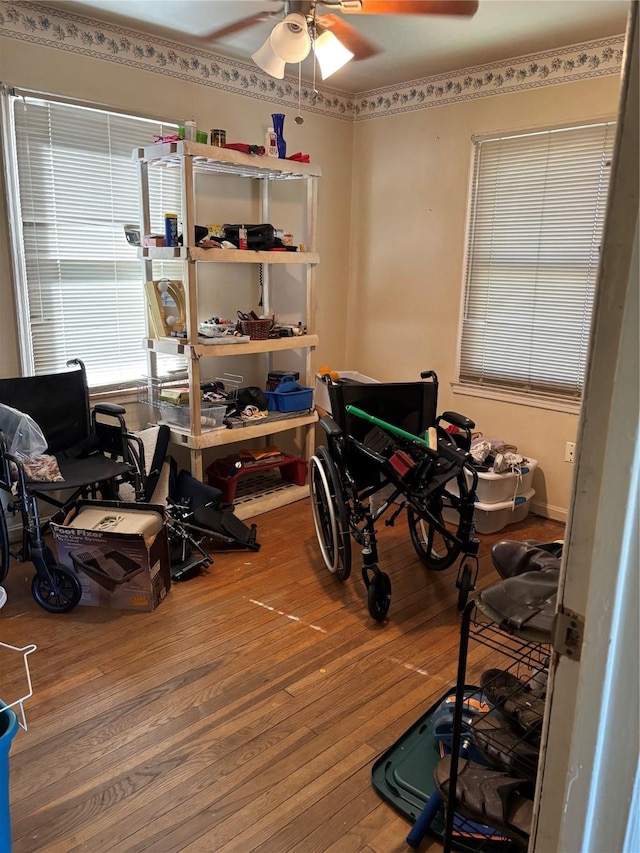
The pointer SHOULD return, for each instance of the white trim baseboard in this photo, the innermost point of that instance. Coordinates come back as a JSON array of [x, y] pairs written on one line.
[[556, 513]]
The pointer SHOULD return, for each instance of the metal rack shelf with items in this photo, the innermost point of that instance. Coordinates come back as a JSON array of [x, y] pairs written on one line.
[[191, 159]]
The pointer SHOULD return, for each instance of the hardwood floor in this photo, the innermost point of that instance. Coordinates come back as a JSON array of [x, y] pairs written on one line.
[[244, 714]]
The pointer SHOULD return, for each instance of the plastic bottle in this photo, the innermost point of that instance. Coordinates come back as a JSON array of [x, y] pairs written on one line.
[[271, 143], [171, 229], [190, 131]]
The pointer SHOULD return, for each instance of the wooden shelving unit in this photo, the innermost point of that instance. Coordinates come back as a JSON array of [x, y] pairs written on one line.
[[191, 158]]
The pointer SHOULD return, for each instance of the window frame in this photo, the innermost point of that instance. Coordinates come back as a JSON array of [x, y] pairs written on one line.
[[19, 283], [499, 392]]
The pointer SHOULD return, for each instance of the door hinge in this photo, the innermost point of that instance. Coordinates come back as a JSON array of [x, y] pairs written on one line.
[[568, 634]]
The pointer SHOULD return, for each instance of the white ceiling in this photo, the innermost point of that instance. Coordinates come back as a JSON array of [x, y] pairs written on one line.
[[413, 46]]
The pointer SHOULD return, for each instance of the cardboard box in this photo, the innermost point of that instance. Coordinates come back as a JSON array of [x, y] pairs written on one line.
[[322, 394], [177, 396], [118, 550]]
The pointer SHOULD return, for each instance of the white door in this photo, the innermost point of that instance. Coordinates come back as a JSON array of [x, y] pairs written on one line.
[[588, 789]]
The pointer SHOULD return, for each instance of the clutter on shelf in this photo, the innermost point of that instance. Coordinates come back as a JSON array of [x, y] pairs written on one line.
[[249, 237], [275, 144]]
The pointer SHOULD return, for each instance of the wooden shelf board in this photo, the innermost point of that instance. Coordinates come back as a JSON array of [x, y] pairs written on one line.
[[225, 256], [171, 346], [208, 158], [161, 253], [245, 256], [220, 437], [272, 500]]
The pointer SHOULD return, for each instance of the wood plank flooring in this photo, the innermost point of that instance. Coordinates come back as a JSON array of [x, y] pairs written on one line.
[[244, 714]]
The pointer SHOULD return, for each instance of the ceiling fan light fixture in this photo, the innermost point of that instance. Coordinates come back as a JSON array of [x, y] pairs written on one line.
[[269, 61], [330, 53], [290, 38]]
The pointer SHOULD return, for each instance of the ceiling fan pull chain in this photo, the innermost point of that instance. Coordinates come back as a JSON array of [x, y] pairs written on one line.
[[298, 119]]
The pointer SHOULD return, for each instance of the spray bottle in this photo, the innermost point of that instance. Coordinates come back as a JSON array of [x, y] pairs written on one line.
[[271, 143]]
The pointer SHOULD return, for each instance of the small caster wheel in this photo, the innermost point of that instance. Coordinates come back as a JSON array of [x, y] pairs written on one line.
[[378, 592], [464, 587], [59, 595]]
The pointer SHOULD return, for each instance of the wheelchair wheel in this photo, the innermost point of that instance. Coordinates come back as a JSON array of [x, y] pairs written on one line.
[[464, 587], [61, 594], [436, 545], [4, 546], [379, 596], [330, 515]]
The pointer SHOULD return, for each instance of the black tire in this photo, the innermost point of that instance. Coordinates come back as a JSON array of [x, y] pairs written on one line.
[[5, 556], [60, 596], [330, 514], [464, 587], [379, 596], [436, 545]]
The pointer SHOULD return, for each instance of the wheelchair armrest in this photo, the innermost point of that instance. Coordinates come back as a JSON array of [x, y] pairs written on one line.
[[457, 420], [109, 409], [330, 427]]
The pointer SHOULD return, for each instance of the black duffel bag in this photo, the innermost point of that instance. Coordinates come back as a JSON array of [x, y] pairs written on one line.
[[259, 237]]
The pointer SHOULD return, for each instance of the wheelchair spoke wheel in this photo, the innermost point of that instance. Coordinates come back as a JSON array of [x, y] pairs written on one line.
[[58, 595], [330, 515], [4, 546], [436, 545]]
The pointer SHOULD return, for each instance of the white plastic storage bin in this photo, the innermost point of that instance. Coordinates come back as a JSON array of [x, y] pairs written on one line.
[[212, 416], [321, 396], [497, 488], [491, 517]]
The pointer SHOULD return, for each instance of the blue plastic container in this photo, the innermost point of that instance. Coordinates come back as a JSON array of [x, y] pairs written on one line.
[[289, 397], [8, 728]]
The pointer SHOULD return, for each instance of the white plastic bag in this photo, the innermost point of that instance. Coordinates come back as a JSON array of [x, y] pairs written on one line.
[[24, 436], [26, 441]]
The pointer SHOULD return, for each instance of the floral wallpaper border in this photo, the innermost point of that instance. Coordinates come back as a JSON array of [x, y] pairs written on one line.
[[37, 23]]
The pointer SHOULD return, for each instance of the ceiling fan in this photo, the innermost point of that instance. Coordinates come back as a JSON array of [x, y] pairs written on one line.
[[301, 26]]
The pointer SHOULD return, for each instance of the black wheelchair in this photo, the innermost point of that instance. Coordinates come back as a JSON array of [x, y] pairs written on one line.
[[95, 453], [387, 437]]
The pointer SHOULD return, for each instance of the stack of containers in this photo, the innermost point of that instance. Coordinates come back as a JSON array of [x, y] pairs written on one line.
[[501, 499]]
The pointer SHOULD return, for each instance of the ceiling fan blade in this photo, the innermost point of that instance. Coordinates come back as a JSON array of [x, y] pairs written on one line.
[[360, 47], [409, 7], [242, 24]]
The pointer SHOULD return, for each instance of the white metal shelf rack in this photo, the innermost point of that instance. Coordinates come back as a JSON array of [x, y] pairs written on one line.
[[191, 158]]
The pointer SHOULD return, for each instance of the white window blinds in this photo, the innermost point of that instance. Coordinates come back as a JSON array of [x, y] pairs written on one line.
[[537, 213], [78, 186]]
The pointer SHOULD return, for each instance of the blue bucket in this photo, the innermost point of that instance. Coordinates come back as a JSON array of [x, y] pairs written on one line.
[[8, 728]]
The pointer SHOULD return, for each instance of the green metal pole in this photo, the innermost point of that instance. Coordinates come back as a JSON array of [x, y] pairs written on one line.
[[390, 427]]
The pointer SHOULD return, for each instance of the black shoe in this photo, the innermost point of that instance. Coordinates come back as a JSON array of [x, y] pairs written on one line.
[[513, 558]]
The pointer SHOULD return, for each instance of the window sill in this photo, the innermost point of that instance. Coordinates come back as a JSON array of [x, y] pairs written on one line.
[[533, 401]]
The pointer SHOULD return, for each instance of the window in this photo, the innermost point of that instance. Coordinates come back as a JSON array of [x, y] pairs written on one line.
[[80, 292], [537, 213]]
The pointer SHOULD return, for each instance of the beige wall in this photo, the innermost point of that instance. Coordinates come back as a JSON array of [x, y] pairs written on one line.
[[391, 230], [411, 183]]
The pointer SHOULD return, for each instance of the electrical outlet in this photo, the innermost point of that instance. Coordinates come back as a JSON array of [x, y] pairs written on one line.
[[570, 451]]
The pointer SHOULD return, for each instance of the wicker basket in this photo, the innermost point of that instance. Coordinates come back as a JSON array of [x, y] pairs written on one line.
[[256, 329]]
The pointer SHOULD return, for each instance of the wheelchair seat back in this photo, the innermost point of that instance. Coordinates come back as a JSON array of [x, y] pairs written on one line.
[[57, 402], [412, 406]]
